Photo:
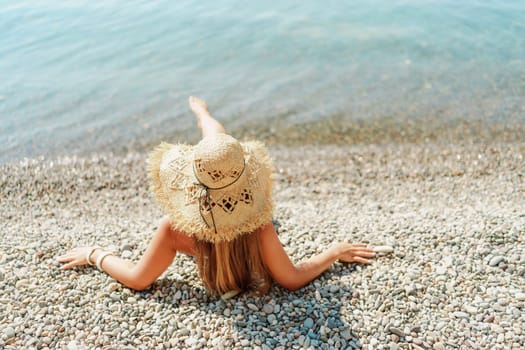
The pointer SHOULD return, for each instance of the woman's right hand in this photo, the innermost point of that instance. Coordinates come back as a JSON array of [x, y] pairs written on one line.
[[76, 257]]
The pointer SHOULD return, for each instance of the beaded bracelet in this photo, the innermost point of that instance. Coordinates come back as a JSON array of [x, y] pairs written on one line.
[[89, 253], [101, 257]]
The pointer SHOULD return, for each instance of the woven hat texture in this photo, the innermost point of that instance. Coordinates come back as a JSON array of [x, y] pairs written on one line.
[[216, 190]]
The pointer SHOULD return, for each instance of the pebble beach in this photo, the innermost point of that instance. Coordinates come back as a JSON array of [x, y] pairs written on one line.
[[448, 217]]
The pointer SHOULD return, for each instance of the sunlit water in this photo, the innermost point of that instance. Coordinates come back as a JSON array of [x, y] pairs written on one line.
[[82, 75]]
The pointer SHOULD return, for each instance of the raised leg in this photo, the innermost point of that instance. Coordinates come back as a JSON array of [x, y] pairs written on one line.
[[206, 122]]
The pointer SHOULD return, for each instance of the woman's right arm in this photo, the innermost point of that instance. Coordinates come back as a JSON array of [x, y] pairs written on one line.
[[294, 276], [161, 251]]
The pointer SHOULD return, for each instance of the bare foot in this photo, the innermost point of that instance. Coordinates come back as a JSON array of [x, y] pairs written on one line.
[[198, 106], [205, 121]]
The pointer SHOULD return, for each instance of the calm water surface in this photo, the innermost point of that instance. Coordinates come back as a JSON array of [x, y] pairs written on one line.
[[85, 75]]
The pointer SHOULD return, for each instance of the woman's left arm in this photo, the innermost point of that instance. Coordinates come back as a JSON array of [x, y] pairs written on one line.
[[156, 259], [294, 276]]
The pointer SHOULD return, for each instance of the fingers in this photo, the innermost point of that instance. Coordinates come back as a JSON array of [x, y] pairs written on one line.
[[367, 253], [74, 257], [69, 260], [358, 246], [358, 253], [361, 260], [65, 257], [70, 265], [361, 250]]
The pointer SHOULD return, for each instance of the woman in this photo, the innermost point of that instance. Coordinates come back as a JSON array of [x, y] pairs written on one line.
[[218, 198]]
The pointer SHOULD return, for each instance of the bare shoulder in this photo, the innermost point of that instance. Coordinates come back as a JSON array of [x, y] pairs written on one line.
[[269, 241], [267, 233], [181, 241]]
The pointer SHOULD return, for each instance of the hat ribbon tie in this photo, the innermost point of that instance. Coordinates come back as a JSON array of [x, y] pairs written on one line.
[[204, 198]]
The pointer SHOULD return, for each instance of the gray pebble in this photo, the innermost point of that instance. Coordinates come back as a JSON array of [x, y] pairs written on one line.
[[307, 342], [252, 307], [126, 246], [114, 296], [396, 331], [460, 314], [301, 340], [346, 334], [267, 308], [334, 288]]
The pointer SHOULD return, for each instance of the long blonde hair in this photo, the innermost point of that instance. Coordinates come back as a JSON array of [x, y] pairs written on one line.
[[236, 265]]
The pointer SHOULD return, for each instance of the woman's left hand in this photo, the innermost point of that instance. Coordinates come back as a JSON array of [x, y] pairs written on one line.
[[75, 257], [356, 253]]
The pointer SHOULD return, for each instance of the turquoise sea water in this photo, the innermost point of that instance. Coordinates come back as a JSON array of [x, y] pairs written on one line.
[[82, 75]]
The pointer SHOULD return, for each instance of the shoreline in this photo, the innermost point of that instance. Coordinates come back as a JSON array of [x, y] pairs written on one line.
[[338, 130], [452, 212]]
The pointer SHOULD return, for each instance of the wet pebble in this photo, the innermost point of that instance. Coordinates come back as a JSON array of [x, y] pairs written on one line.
[[308, 323]]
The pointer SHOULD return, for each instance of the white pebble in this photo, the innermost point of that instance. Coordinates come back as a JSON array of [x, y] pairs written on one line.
[[470, 309], [72, 345], [113, 287], [494, 261], [438, 346], [9, 332], [383, 249], [520, 296], [229, 295]]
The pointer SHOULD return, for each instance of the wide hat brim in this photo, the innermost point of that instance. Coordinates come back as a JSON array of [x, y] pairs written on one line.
[[240, 208]]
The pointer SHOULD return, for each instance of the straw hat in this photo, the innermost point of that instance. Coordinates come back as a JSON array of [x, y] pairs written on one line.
[[216, 190]]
